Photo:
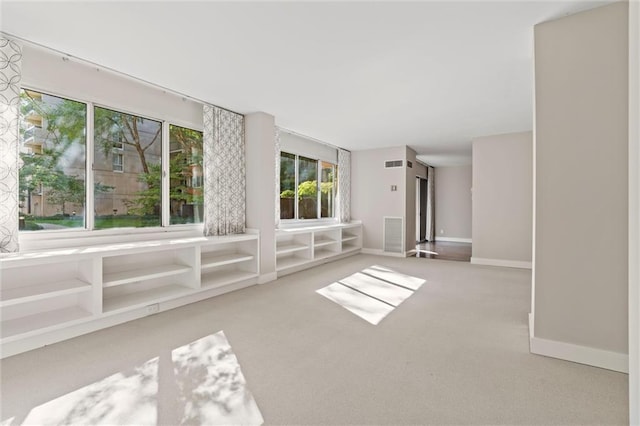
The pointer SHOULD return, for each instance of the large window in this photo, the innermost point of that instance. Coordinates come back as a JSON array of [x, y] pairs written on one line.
[[126, 186], [186, 177], [302, 194], [52, 150]]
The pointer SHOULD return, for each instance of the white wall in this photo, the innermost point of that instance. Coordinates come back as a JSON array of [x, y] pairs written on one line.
[[46, 71], [453, 202], [581, 149], [371, 195], [295, 144], [502, 200]]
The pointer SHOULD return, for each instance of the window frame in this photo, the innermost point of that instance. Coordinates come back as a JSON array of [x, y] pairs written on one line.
[[296, 221], [51, 238]]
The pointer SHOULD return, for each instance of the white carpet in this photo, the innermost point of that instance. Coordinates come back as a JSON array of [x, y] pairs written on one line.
[[211, 389], [372, 293], [456, 352]]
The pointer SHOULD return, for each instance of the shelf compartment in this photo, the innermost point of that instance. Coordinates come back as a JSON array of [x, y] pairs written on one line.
[[350, 248], [290, 262], [290, 247], [324, 242], [144, 297], [221, 278], [348, 238], [324, 253], [30, 293], [42, 321], [151, 272], [209, 262]]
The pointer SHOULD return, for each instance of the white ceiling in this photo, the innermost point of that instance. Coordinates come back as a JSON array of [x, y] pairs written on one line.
[[430, 75]]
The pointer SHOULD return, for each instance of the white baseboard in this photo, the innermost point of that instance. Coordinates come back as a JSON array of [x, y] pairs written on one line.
[[379, 252], [267, 278], [581, 354], [501, 262], [454, 239]]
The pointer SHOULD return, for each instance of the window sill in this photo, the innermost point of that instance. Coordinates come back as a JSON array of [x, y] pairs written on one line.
[[40, 240], [306, 223]]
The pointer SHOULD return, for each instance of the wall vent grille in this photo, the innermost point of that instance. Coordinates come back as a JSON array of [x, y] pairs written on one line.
[[393, 164], [393, 232]]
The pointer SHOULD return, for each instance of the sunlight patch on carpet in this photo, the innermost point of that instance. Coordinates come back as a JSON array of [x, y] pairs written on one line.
[[211, 391], [128, 397], [212, 387], [372, 293]]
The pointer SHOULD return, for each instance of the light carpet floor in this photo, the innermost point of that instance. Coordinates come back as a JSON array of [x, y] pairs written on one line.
[[456, 352]]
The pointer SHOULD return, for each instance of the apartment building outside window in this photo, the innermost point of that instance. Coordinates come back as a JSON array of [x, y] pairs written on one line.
[[125, 175]]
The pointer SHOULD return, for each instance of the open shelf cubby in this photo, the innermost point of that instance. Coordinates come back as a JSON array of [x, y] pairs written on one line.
[[292, 249], [44, 293], [227, 263], [135, 279]]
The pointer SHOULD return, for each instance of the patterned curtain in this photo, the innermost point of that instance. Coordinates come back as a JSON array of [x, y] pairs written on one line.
[[277, 167], [344, 186], [431, 206], [224, 172], [10, 75]]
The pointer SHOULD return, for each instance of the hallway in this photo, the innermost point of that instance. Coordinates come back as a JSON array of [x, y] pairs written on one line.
[[444, 250]]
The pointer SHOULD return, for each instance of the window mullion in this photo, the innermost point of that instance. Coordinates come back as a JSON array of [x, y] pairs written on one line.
[[318, 192], [164, 198], [89, 157], [295, 202]]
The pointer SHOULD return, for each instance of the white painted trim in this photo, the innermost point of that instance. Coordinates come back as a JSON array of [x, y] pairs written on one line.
[[454, 239], [267, 278], [531, 325], [581, 354], [501, 262]]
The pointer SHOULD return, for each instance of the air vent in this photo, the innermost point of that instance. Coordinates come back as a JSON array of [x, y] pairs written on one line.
[[409, 164], [393, 232], [392, 164]]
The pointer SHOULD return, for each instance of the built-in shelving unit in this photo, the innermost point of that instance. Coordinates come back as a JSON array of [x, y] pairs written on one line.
[[48, 296], [301, 248]]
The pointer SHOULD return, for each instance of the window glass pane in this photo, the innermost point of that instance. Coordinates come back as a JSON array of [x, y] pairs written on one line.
[[127, 170], [327, 193], [52, 150], [186, 178], [307, 188], [287, 185]]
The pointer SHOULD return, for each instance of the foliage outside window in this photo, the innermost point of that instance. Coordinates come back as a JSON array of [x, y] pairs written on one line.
[[133, 172], [186, 178], [53, 155], [127, 168], [302, 195], [287, 186]]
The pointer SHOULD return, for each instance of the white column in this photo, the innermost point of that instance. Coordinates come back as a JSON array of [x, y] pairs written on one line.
[[260, 152]]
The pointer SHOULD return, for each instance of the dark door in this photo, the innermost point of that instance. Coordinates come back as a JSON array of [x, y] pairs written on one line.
[[422, 203]]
